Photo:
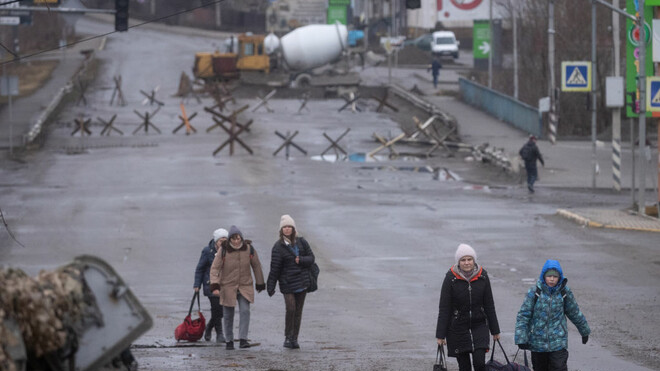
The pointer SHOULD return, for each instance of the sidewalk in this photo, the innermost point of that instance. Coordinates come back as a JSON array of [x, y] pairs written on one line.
[[568, 164]]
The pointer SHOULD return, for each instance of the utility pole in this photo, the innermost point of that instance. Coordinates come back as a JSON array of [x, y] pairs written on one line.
[[366, 29], [642, 108], [616, 112], [552, 115], [594, 163], [217, 15], [490, 53], [515, 50]]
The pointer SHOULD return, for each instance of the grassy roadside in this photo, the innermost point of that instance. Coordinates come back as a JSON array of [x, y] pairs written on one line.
[[31, 75]]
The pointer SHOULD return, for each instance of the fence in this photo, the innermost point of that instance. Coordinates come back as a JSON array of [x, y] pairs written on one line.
[[504, 107]]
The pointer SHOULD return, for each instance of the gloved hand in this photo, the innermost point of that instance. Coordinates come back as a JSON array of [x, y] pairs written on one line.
[[271, 293], [585, 339], [524, 346], [261, 287]]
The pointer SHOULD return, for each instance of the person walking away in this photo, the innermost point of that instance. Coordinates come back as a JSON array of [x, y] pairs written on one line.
[[467, 311], [291, 259], [541, 321], [202, 277], [435, 71], [530, 154], [231, 279]]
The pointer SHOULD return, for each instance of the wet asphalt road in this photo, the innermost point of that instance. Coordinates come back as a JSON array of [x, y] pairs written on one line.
[[383, 238]]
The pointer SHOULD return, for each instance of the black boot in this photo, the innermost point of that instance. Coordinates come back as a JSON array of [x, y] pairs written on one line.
[[230, 345], [244, 343], [288, 343], [207, 332], [294, 343]]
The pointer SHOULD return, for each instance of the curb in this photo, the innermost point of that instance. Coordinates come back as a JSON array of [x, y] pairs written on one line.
[[589, 223], [578, 219]]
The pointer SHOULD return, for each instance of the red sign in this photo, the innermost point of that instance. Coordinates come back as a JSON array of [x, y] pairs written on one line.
[[466, 4]]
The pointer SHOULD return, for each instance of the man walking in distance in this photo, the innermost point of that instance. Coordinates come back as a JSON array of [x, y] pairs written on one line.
[[530, 154]]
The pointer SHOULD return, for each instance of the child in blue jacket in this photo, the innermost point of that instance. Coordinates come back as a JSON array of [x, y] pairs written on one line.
[[541, 322]]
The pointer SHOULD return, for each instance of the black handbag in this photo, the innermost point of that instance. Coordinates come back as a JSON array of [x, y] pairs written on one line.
[[440, 360]]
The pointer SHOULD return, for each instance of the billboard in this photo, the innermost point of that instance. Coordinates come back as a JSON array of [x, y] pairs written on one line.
[[462, 10]]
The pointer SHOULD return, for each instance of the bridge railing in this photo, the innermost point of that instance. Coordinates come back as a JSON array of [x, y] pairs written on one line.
[[502, 106]]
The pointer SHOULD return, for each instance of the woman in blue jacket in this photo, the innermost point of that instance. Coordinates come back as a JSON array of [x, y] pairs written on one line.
[[202, 277], [541, 322]]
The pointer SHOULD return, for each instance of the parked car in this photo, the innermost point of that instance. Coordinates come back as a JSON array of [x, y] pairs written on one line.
[[423, 42], [444, 44]]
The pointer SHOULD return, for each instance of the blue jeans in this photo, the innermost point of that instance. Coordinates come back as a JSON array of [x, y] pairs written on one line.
[[435, 81]]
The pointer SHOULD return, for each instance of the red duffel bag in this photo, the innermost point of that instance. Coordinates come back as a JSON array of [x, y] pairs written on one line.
[[191, 329]]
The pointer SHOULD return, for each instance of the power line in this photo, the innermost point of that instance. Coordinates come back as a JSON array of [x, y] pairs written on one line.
[[9, 231], [10, 2], [18, 58]]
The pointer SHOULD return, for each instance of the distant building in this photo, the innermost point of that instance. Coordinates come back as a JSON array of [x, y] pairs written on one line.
[[283, 16]]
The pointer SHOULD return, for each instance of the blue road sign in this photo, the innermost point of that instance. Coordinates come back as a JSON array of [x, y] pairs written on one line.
[[575, 76], [653, 94]]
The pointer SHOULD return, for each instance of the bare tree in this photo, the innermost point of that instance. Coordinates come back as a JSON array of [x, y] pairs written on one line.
[[572, 43]]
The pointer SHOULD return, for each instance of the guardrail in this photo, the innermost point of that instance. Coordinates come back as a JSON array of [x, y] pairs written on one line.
[[502, 106], [36, 130]]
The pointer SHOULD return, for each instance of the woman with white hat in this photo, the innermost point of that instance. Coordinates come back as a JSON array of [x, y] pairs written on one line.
[[467, 311], [291, 259]]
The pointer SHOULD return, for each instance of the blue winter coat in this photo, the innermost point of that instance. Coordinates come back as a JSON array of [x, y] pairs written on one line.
[[541, 322], [202, 275]]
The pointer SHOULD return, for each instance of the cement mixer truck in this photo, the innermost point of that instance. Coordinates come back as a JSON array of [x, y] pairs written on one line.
[[295, 59]]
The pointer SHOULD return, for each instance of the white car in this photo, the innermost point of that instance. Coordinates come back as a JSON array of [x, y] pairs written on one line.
[[444, 43]]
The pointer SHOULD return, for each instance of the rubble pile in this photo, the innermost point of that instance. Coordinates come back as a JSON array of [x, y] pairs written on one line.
[[48, 309]]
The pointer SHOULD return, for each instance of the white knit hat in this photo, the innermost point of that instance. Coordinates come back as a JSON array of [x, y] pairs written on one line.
[[285, 220], [465, 250], [219, 233]]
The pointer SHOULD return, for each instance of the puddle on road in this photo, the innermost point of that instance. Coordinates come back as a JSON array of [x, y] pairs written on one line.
[[442, 174]]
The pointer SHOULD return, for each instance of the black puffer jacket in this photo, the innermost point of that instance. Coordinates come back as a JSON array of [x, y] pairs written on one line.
[[467, 313], [283, 268]]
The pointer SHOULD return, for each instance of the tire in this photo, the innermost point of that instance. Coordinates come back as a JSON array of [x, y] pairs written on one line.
[[302, 81]]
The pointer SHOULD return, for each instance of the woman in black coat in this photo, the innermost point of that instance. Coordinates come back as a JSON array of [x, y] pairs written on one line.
[[202, 279], [467, 311], [290, 263]]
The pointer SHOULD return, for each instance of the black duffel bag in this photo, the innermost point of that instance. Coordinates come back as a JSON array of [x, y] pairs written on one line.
[[494, 365]]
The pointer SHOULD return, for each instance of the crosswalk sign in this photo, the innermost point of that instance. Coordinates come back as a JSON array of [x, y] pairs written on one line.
[[575, 76], [653, 94]]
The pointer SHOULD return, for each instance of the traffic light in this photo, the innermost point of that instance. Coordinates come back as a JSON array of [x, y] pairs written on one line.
[[121, 15], [413, 4]]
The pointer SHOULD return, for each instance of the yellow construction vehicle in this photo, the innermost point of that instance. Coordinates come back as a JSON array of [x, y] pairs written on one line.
[[225, 66]]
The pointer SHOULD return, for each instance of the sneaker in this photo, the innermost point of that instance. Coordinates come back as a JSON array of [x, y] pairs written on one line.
[[244, 344], [294, 344], [230, 345]]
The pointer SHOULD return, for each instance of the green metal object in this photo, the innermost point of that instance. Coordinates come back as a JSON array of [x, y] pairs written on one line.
[[482, 44], [337, 13], [632, 53]]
